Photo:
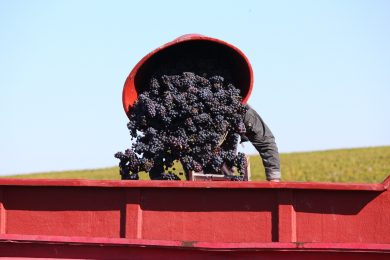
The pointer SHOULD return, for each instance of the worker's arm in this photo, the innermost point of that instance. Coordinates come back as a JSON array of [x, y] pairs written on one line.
[[263, 140]]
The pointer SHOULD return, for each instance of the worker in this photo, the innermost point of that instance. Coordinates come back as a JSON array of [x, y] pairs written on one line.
[[258, 133]]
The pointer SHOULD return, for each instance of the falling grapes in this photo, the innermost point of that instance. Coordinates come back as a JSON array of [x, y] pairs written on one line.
[[188, 117]]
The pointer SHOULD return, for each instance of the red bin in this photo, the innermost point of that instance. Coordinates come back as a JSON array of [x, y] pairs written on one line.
[[189, 45]]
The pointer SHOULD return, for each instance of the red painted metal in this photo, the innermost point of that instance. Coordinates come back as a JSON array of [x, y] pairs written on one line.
[[119, 248], [99, 219], [189, 44]]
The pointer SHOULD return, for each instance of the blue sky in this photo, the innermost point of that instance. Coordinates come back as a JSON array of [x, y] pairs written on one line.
[[321, 68]]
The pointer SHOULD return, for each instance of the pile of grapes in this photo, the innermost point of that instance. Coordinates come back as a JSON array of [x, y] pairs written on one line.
[[189, 118]]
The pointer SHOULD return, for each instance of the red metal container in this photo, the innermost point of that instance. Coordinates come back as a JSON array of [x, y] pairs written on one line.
[[172, 219], [189, 45]]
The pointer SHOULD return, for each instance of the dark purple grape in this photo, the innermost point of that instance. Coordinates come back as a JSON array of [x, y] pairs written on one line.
[[185, 116]]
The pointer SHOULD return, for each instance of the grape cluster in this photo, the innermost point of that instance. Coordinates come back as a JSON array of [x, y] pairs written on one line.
[[187, 117]]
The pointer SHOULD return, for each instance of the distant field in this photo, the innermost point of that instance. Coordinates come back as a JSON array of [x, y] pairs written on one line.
[[368, 165]]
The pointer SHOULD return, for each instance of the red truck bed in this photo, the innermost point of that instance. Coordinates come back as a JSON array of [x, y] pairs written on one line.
[[72, 219]]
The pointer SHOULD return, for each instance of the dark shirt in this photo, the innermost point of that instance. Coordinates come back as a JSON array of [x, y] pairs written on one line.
[[258, 133]]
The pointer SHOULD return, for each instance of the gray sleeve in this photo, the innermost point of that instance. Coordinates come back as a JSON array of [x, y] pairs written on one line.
[[263, 140]]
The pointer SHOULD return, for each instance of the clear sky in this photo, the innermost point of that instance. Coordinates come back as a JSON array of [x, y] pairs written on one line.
[[322, 72]]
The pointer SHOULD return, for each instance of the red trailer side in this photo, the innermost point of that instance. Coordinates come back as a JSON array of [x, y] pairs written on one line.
[[95, 219]]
